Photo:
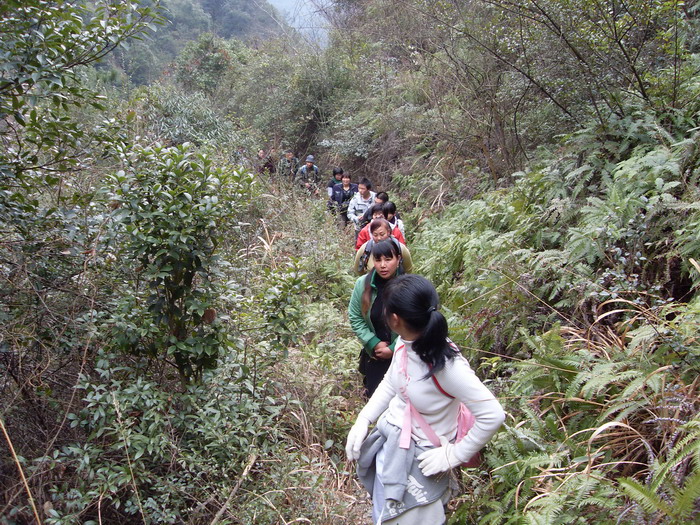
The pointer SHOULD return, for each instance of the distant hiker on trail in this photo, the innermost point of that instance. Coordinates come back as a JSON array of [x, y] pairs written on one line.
[[342, 194], [366, 314], [379, 229], [419, 436], [265, 163], [361, 201], [288, 165], [308, 175], [378, 212], [337, 178]]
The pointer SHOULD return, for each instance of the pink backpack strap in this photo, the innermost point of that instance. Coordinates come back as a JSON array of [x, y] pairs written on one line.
[[465, 419], [410, 412]]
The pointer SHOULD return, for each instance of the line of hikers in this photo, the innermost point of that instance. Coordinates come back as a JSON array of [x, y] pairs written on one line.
[[430, 411], [372, 214]]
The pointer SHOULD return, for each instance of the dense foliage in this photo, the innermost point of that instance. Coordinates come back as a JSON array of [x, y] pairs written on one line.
[[173, 342]]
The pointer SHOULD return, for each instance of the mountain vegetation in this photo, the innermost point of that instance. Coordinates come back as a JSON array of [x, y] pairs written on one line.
[[145, 59], [174, 346]]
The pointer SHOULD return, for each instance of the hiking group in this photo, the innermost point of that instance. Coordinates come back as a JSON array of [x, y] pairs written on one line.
[[430, 411]]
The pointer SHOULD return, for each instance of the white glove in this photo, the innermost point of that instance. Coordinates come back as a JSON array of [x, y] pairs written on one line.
[[356, 436], [439, 459]]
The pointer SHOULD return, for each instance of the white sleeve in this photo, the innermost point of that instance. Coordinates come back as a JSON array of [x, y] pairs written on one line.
[[351, 209], [459, 380]]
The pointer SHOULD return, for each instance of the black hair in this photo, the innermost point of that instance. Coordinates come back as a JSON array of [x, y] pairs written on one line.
[[366, 183], [388, 207], [386, 248], [414, 299], [337, 171], [376, 208], [382, 196]]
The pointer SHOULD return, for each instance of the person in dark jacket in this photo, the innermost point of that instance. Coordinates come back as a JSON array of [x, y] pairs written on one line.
[[266, 164], [380, 198], [341, 196], [337, 178]]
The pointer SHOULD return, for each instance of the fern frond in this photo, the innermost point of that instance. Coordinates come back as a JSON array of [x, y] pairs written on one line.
[[649, 500], [620, 410], [684, 499], [687, 446]]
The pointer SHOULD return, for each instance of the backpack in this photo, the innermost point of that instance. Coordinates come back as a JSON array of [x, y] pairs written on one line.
[[465, 419], [362, 264], [303, 172]]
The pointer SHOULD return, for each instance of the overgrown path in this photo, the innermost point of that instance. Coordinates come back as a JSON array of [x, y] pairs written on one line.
[[310, 258]]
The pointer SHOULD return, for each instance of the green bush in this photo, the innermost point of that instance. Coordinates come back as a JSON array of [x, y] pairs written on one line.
[[173, 210], [157, 455]]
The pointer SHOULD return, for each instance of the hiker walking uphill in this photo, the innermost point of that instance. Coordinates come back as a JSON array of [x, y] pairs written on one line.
[[380, 211], [366, 314], [380, 198], [361, 201], [404, 462], [337, 178], [342, 194], [391, 215], [288, 165], [265, 162], [380, 229], [308, 175]]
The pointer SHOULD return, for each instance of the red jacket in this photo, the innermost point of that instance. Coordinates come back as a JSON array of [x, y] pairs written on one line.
[[365, 236]]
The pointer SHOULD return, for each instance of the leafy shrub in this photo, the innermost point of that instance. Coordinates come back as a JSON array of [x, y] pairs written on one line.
[[202, 63], [156, 455], [174, 116], [173, 209]]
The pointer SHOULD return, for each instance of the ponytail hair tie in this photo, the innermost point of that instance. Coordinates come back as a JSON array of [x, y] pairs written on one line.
[[431, 309]]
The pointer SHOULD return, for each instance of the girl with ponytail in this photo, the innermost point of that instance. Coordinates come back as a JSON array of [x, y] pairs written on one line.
[[405, 461]]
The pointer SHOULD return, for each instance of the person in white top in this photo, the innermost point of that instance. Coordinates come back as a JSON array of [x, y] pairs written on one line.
[[405, 461], [360, 202]]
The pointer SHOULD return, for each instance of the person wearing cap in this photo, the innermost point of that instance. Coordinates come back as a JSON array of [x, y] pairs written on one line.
[[308, 175]]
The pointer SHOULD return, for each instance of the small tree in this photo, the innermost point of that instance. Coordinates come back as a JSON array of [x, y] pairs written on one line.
[[173, 204]]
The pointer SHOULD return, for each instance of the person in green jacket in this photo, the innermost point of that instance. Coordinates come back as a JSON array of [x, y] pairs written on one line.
[[366, 313]]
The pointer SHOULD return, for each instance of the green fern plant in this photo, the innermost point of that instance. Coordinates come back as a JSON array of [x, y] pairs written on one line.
[[664, 497]]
